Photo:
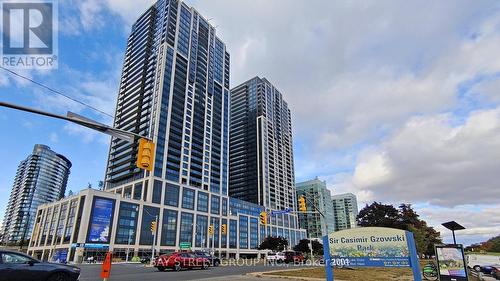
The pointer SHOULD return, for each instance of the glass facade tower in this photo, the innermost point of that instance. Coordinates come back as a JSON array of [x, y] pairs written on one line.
[[175, 89], [345, 208], [41, 178], [261, 155], [316, 192]]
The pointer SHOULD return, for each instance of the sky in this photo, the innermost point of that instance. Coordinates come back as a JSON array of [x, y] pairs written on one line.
[[394, 101]]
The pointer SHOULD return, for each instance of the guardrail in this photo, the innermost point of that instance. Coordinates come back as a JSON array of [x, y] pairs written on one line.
[[476, 275]]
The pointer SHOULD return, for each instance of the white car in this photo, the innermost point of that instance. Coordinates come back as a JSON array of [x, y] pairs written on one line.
[[477, 261], [278, 257]]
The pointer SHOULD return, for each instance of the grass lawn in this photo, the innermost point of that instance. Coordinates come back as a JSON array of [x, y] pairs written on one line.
[[358, 274]]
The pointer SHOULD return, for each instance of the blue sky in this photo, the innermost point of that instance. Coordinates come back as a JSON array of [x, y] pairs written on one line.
[[395, 102]]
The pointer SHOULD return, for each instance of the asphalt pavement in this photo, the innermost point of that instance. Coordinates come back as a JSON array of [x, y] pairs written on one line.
[[139, 272]]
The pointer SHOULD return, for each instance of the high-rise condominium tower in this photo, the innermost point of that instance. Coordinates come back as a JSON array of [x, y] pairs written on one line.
[[318, 194], [175, 89], [345, 207], [261, 156], [40, 178]]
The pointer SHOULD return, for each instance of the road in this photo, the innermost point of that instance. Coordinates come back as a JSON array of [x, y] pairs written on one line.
[[138, 272]]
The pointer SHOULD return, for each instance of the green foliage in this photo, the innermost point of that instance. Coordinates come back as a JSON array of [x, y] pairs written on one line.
[[136, 259], [274, 244], [405, 218], [304, 247], [492, 245]]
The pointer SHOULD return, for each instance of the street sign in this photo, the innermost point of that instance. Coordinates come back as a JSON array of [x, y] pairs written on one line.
[[285, 211], [185, 245]]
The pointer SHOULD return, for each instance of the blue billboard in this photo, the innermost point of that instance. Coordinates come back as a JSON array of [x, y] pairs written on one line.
[[100, 220]]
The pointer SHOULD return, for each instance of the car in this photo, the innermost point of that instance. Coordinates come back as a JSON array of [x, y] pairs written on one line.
[[15, 266], [180, 260], [275, 257], [495, 272], [214, 261], [295, 257], [146, 260]]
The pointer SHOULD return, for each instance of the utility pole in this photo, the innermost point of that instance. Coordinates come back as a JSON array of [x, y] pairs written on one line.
[[128, 244]]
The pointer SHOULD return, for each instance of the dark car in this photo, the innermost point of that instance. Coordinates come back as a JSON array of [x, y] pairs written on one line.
[[15, 266], [294, 257], [146, 260], [214, 261], [495, 272], [180, 260]]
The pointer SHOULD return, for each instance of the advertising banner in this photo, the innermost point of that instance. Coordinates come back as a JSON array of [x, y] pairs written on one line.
[[370, 246], [100, 221], [451, 263]]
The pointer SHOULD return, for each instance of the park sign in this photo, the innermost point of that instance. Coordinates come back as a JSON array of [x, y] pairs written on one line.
[[371, 247]]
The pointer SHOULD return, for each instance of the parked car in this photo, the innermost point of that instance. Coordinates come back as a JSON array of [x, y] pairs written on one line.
[[15, 266], [495, 272], [275, 257], [477, 262], [295, 257], [214, 261], [180, 260]]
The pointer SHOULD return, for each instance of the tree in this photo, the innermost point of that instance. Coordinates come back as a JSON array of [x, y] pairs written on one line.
[[405, 218], [274, 244], [317, 247], [378, 214], [303, 246]]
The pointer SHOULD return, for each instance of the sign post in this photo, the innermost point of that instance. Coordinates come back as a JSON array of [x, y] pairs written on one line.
[[106, 267], [371, 247]]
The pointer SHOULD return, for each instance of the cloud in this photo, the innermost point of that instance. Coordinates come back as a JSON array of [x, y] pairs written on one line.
[[86, 135], [431, 160], [53, 137], [481, 222]]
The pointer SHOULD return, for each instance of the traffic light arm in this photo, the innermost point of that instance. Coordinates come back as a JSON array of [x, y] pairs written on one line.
[[80, 120]]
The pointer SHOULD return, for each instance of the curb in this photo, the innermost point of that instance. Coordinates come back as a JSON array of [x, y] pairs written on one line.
[[267, 275]]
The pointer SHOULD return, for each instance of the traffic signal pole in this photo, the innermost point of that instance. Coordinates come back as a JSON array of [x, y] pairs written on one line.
[[81, 120]]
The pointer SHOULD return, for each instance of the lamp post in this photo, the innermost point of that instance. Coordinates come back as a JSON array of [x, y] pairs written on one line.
[[453, 225], [130, 231]]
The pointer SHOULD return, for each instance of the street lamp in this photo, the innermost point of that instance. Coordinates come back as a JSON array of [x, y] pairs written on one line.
[[453, 225]]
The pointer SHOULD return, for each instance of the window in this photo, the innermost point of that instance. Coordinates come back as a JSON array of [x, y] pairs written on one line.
[[171, 195], [127, 223], [138, 191], [215, 205], [149, 215], [10, 258], [254, 233], [157, 188], [187, 198], [186, 232], [233, 224], [201, 231], [224, 206], [202, 202], [169, 228], [243, 232]]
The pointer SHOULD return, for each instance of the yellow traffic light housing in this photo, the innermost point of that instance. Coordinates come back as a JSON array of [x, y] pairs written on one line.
[[263, 218], [224, 229], [211, 229], [145, 154], [153, 227], [302, 204]]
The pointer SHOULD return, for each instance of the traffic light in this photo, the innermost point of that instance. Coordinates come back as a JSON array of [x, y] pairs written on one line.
[[224, 229], [263, 218], [210, 229], [302, 204], [153, 227], [145, 154]]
